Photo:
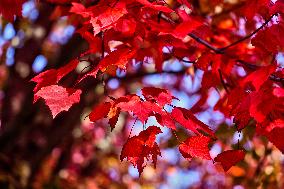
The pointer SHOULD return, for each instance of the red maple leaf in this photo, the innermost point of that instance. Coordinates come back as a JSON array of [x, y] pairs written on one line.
[[165, 119], [230, 158], [100, 111], [161, 96], [274, 131], [80, 9], [142, 109], [49, 77], [265, 105], [265, 42], [258, 77], [107, 18], [118, 59], [183, 29], [143, 147], [58, 98], [196, 146], [188, 120], [53, 76], [126, 27]]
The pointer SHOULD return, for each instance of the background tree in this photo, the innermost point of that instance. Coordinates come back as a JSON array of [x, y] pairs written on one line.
[[189, 92]]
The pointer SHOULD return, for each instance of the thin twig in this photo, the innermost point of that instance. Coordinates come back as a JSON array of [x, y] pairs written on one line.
[[222, 50], [248, 65], [222, 81], [185, 61], [250, 35], [205, 43]]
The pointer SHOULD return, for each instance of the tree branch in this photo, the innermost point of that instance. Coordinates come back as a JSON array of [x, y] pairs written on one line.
[[205, 43], [250, 35], [221, 50]]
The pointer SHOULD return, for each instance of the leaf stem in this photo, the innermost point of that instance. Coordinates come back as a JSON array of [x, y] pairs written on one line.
[[132, 126]]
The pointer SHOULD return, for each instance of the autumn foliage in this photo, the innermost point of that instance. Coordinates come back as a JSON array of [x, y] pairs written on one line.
[[236, 47]]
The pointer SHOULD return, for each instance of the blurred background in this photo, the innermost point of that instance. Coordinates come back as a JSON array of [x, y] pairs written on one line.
[[69, 151]]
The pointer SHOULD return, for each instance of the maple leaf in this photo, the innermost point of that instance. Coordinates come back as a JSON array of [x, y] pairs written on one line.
[[241, 113], [107, 19], [49, 77], [205, 60], [53, 76], [230, 158], [276, 136], [118, 58], [209, 80], [189, 121], [80, 9], [196, 146], [142, 109], [126, 27], [10, 8], [164, 119], [161, 96], [264, 104], [100, 111], [236, 104], [274, 131], [105, 110], [257, 78], [183, 29], [265, 42], [58, 98], [149, 135], [143, 147]]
